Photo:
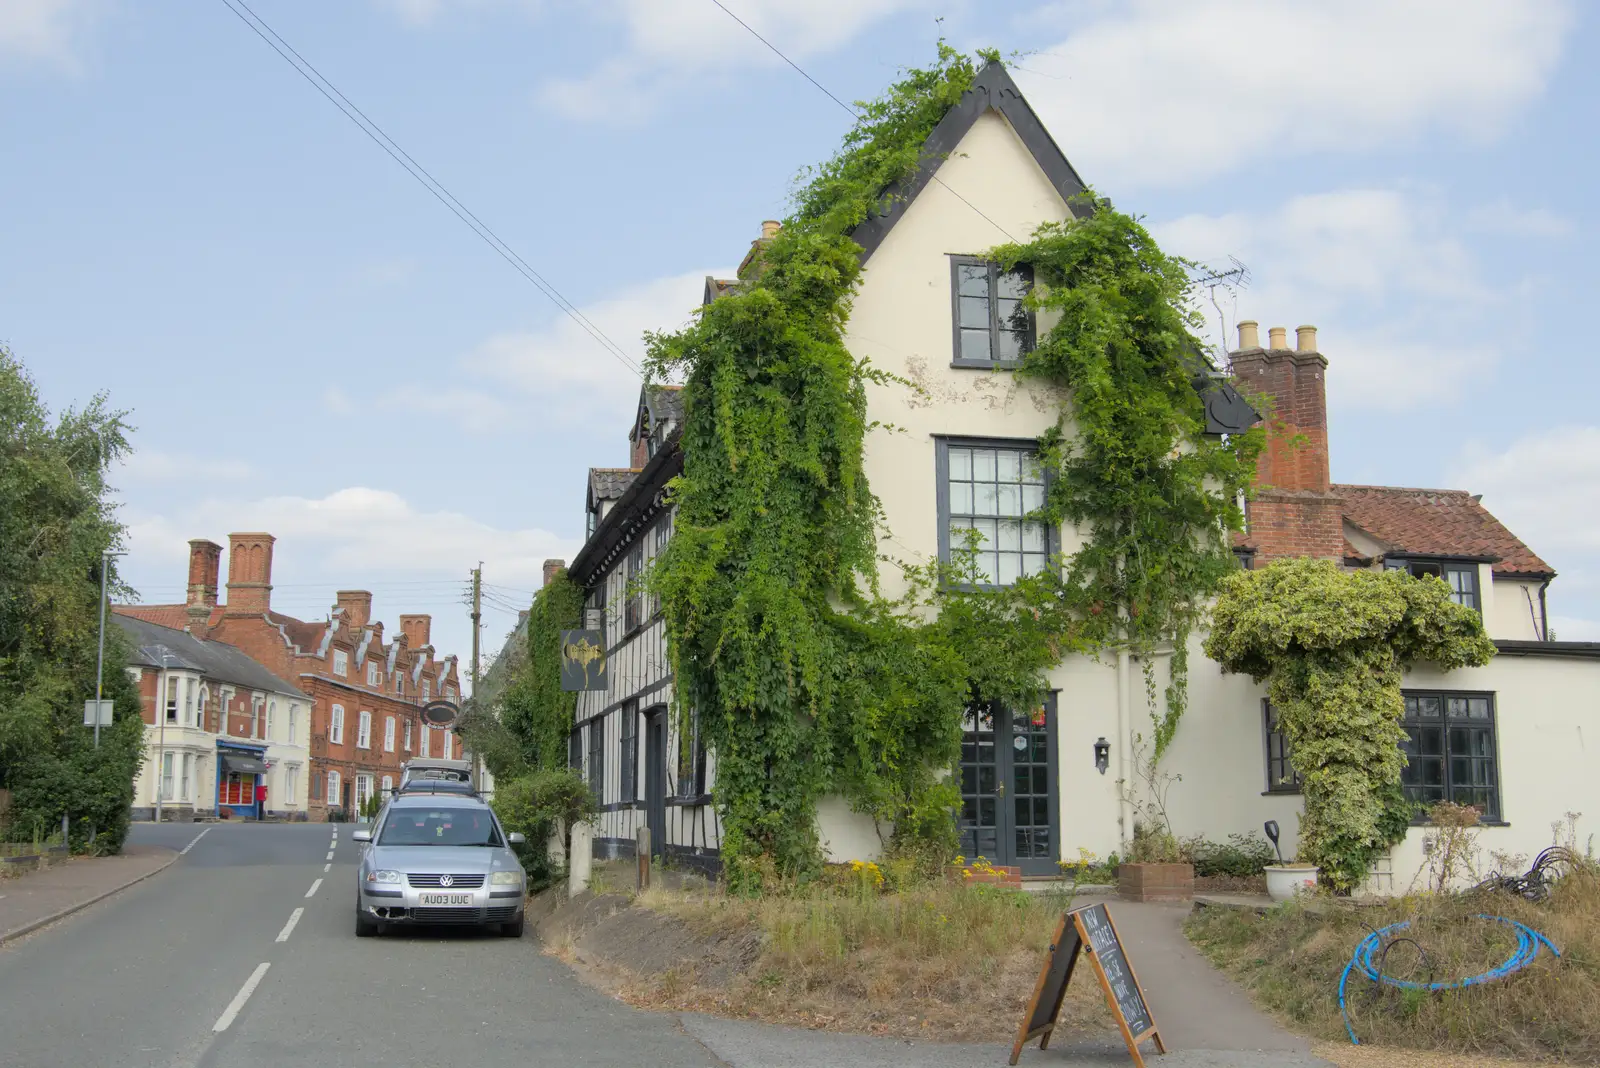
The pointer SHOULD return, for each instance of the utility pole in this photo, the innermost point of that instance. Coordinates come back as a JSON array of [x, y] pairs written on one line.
[[477, 614]]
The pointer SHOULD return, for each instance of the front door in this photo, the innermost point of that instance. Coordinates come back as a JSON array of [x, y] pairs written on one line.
[[655, 779], [1008, 787]]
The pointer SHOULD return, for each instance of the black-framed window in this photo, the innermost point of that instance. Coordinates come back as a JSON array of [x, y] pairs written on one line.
[[628, 771], [1450, 751], [663, 535], [597, 759], [1460, 575], [633, 607], [692, 758], [991, 488], [993, 328], [1281, 776], [575, 749], [595, 610], [1245, 558]]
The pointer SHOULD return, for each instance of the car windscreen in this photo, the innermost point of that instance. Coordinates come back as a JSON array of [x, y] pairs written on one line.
[[439, 825]]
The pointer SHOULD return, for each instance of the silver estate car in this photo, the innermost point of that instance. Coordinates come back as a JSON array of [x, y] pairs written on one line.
[[439, 858]]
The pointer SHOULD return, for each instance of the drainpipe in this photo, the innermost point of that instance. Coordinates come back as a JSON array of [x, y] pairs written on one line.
[[1544, 616], [1124, 744]]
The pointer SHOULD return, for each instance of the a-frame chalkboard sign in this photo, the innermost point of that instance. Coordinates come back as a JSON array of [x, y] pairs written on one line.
[[1089, 929]]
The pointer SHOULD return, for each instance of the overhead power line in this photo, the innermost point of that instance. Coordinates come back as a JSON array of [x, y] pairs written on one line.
[[261, 29], [854, 113]]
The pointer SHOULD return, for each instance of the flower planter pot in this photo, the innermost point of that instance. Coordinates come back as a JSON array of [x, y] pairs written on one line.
[[1284, 881], [1155, 882]]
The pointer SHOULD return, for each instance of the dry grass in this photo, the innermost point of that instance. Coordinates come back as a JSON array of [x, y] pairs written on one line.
[[1292, 957], [939, 962]]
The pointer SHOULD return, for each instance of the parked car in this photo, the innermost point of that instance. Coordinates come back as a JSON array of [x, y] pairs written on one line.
[[439, 858], [435, 768]]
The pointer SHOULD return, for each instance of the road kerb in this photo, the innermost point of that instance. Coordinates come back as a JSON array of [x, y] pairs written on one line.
[[61, 914]]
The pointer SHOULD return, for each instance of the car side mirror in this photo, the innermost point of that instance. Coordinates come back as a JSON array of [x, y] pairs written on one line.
[[516, 838], [361, 836]]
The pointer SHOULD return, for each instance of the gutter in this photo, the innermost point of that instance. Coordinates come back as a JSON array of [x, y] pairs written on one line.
[[1564, 650]]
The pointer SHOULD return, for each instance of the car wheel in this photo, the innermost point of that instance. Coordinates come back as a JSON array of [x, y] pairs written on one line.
[[366, 926], [514, 928]]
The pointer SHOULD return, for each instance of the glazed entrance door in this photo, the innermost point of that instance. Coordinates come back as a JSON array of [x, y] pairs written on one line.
[[1008, 787]]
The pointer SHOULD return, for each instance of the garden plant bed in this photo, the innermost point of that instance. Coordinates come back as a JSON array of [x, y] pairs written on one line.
[[1290, 959], [940, 962]]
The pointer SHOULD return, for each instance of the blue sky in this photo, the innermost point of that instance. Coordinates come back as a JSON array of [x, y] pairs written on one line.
[[311, 345]]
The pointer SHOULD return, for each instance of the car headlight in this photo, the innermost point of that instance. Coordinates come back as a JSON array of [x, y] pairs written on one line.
[[384, 876], [505, 878]]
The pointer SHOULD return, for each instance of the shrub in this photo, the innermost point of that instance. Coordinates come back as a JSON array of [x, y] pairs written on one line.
[[1241, 856], [532, 806]]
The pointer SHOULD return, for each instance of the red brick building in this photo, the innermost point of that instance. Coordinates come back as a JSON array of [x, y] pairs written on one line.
[[366, 693]]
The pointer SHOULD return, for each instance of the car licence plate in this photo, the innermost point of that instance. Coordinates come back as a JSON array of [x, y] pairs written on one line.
[[447, 899]]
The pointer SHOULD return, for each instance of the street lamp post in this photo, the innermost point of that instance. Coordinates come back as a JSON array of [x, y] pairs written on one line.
[[100, 658]]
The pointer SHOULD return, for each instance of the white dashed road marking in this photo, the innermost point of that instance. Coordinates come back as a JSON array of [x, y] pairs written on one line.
[[329, 856], [241, 997], [313, 889], [193, 840], [325, 867], [288, 928]]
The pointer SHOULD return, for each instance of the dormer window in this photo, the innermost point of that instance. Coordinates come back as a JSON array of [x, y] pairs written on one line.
[[1460, 575], [341, 663]]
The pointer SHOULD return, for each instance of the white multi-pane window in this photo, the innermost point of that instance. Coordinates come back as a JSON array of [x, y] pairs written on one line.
[[336, 725], [427, 689], [427, 740], [167, 760], [272, 720], [372, 674], [333, 788], [363, 790], [341, 663], [408, 736], [291, 784], [189, 717], [186, 776], [294, 723], [388, 785], [364, 731], [388, 734], [988, 493], [172, 682], [449, 746]]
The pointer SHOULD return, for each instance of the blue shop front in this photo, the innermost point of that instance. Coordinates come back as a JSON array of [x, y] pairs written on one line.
[[241, 791]]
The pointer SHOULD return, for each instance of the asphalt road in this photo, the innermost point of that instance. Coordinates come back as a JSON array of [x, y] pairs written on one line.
[[199, 967]]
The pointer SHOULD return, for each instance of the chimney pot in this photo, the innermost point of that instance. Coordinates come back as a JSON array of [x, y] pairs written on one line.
[[770, 228], [1249, 335], [417, 629], [1305, 338], [357, 605], [1278, 337], [250, 573]]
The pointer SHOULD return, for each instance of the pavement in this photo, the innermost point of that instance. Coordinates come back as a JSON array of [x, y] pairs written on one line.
[[241, 953]]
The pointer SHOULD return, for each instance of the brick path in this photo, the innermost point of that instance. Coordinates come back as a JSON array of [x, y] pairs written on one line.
[[28, 902]]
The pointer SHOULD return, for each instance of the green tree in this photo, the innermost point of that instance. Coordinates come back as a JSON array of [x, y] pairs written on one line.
[[57, 520], [1331, 645]]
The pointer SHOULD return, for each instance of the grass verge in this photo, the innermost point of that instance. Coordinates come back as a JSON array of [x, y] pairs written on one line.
[[1290, 959], [941, 962]]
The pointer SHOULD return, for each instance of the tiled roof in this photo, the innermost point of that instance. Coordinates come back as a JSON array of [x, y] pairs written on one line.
[[720, 287], [175, 616], [1437, 523], [306, 636], [159, 646], [666, 402], [609, 483]]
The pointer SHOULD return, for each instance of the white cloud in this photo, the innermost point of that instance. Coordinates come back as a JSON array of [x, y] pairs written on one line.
[[472, 410], [45, 30], [670, 40], [1164, 92], [571, 374], [1546, 488], [1399, 299]]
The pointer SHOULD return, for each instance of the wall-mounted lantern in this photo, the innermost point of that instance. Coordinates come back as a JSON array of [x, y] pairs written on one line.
[[1102, 754]]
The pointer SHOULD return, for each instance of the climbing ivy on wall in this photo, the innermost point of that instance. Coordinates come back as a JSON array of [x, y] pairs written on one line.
[[1134, 470], [1331, 646], [535, 715], [805, 677]]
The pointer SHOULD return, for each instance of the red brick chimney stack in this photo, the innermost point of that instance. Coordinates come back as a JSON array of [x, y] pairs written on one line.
[[205, 564], [249, 574], [417, 630], [550, 569], [1294, 512], [357, 605]]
